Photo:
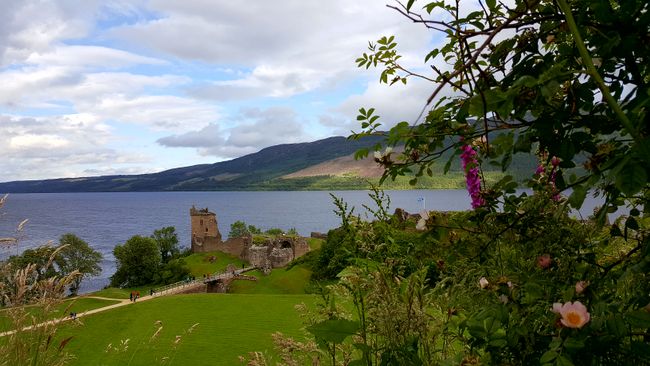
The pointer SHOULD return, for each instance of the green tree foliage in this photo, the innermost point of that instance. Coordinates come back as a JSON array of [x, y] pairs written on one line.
[[274, 231], [173, 271], [238, 229], [40, 257], [77, 255], [567, 78], [167, 241], [138, 262], [517, 280]]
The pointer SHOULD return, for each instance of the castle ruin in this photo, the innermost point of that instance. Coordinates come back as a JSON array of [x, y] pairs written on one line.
[[205, 231], [272, 253]]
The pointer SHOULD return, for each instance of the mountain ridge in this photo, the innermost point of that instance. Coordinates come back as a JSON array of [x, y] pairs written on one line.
[[248, 172]]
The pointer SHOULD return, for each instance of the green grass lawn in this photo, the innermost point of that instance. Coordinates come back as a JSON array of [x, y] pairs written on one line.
[[315, 243], [78, 305], [229, 325], [200, 264], [280, 281], [122, 293]]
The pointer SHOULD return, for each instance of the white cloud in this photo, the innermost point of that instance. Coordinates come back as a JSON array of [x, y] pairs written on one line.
[[291, 47], [80, 79], [255, 129], [89, 57], [65, 145], [393, 104]]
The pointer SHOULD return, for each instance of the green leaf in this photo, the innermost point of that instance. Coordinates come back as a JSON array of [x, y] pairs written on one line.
[[491, 4], [638, 318], [409, 4], [577, 197], [574, 344], [631, 178], [548, 356], [563, 361]]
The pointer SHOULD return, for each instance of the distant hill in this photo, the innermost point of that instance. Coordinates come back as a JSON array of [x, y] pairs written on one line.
[[326, 164], [250, 172]]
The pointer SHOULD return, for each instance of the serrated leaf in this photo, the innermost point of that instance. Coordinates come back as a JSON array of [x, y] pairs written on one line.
[[631, 178], [547, 357], [578, 196]]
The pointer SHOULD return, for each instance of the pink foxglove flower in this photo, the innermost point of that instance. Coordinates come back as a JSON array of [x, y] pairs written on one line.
[[472, 178], [574, 315]]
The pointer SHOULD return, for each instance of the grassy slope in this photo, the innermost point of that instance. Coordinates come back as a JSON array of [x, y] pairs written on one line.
[[229, 326], [199, 263], [280, 281], [78, 305]]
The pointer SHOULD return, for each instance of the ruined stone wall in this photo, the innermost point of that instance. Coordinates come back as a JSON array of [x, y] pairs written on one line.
[[300, 247], [235, 246], [204, 230], [280, 257], [207, 244], [258, 256]]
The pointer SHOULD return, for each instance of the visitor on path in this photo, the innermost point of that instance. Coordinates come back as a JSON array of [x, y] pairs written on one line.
[[131, 297]]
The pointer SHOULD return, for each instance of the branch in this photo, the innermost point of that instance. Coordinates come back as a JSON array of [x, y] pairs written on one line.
[[591, 70]]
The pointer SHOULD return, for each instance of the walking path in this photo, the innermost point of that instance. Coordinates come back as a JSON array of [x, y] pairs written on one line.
[[164, 291]]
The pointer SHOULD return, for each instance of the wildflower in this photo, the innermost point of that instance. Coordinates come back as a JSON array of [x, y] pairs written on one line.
[[483, 282], [544, 261], [503, 299], [581, 286], [574, 315], [555, 161], [472, 178], [379, 157], [422, 222]]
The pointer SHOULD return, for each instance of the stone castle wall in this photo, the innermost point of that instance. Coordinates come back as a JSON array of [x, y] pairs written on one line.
[[273, 253], [205, 235]]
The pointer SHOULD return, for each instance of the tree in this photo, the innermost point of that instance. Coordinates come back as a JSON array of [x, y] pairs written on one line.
[[568, 80], [167, 241], [77, 255], [40, 257], [239, 229], [138, 262]]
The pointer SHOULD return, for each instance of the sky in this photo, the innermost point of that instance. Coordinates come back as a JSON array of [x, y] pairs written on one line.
[[127, 86]]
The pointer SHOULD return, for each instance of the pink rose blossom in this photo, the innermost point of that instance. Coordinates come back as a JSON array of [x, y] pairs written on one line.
[[581, 286], [574, 315], [544, 261]]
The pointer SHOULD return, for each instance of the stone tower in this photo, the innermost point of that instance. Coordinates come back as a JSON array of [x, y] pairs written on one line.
[[205, 232]]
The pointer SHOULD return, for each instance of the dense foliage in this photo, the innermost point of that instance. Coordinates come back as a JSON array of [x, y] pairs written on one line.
[[517, 280], [138, 262], [149, 260], [167, 242], [77, 255], [71, 255]]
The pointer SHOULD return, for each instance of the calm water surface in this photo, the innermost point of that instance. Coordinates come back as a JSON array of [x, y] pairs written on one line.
[[108, 219]]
